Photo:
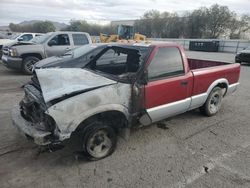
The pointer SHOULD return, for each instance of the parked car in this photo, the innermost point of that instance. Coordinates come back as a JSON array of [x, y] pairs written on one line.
[[121, 87], [243, 56], [16, 38], [24, 55]]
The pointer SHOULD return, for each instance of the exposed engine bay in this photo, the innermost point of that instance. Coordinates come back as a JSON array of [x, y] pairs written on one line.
[[33, 108]]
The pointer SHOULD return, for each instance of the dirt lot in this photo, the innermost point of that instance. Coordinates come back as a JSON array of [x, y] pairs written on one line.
[[190, 150]]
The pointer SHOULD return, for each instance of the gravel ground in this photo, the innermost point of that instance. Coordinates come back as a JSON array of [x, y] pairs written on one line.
[[188, 150]]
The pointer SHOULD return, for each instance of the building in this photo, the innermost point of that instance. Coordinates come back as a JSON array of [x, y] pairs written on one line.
[[123, 22]]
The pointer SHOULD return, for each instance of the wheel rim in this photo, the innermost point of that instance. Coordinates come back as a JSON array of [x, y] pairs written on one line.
[[214, 104], [99, 144], [29, 65]]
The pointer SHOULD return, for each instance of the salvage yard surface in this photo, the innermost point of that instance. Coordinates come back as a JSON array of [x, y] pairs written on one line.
[[188, 150]]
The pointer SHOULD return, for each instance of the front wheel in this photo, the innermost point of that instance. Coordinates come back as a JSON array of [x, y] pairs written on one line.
[[98, 140], [213, 102], [28, 64]]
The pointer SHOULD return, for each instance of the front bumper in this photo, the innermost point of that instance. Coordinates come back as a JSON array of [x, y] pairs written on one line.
[[12, 62], [28, 128]]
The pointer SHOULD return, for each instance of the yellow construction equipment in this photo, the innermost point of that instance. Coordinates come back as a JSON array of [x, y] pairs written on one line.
[[125, 34], [108, 38]]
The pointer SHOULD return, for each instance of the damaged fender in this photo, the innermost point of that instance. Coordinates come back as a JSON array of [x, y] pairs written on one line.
[[69, 113]]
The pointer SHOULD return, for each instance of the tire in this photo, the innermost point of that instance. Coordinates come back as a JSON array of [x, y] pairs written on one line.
[[213, 102], [98, 140], [28, 63]]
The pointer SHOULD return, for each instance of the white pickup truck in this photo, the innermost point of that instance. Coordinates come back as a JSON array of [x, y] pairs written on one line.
[[18, 37]]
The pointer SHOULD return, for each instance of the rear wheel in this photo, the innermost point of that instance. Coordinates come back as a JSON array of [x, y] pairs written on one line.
[[213, 102], [98, 140], [28, 64]]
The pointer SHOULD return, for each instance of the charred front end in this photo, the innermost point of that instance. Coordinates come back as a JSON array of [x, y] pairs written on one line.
[[30, 117]]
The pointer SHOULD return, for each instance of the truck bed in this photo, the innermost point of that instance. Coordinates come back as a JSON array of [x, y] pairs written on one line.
[[199, 64], [206, 72]]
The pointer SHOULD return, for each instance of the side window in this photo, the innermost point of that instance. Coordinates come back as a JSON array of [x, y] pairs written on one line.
[[60, 40], [27, 37], [111, 57], [166, 62], [80, 39]]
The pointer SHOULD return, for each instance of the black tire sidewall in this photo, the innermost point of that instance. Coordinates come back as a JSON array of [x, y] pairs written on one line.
[[90, 130], [26, 61]]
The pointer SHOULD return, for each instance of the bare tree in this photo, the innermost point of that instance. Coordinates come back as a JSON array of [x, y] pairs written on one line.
[[218, 20], [38, 27]]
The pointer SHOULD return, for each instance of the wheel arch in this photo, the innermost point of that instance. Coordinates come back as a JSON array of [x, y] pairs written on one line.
[[222, 83], [110, 112], [116, 119], [37, 55]]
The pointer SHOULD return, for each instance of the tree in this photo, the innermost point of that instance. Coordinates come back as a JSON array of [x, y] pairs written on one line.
[[238, 26], [43, 27], [218, 20], [145, 24], [14, 27], [212, 22], [92, 29], [195, 25], [173, 26], [38, 27], [155, 24]]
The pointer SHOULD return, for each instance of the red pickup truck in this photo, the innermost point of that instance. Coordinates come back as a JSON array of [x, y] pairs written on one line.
[[120, 87]]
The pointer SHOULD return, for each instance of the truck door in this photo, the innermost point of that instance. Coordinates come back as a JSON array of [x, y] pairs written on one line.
[[58, 45], [169, 86]]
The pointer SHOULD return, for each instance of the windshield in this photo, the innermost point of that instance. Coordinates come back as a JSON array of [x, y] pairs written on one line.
[[15, 36], [41, 39]]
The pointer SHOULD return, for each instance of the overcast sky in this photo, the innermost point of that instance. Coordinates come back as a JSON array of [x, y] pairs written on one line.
[[101, 11]]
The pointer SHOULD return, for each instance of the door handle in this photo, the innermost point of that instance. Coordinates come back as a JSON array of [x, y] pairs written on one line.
[[184, 83]]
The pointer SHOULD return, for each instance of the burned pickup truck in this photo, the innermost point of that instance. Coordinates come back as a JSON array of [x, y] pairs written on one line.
[[121, 87]]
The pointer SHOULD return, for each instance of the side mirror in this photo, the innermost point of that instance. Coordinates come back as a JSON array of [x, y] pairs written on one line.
[[52, 43], [20, 39], [144, 78]]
